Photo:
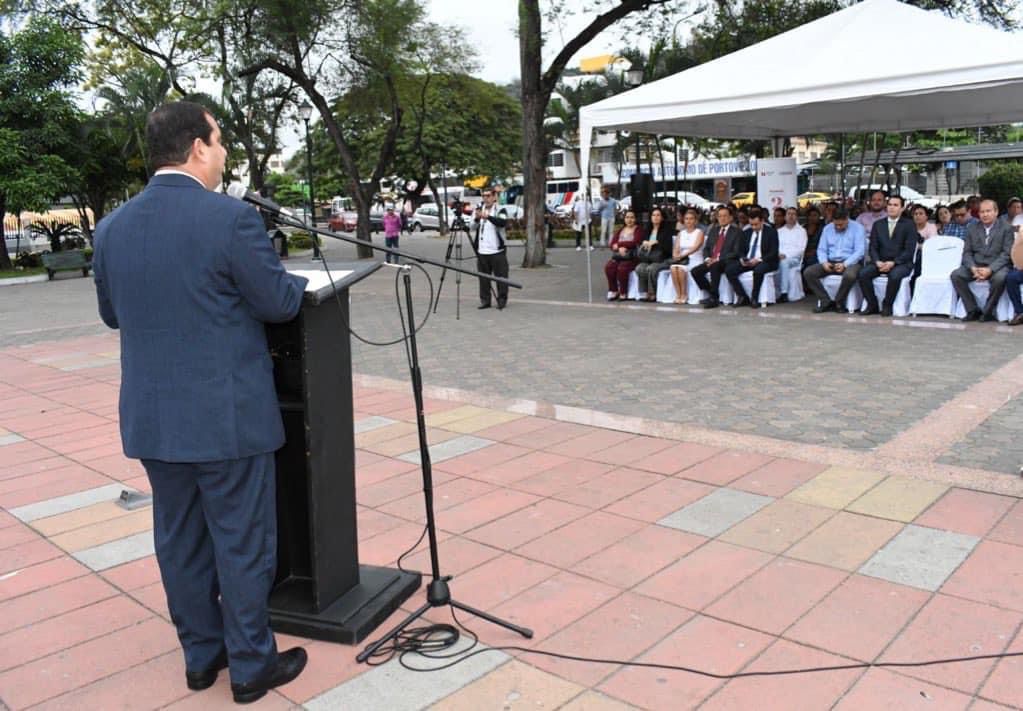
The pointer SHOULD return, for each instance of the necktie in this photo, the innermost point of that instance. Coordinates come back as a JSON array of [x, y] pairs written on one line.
[[753, 245]]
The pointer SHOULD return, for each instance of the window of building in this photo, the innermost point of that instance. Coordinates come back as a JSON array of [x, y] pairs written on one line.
[[556, 160]]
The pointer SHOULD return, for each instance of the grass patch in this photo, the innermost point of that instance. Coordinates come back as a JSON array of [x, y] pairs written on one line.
[[15, 273]]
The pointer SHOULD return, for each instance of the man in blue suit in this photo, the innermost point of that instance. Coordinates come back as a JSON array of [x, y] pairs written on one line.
[[189, 277]]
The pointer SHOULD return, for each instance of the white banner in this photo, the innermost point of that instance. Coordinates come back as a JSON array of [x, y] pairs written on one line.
[[776, 182]]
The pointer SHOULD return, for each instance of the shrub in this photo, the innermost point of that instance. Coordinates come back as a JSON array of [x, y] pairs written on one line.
[[28, 260], [558, 234], [1002, 182], [60, 235], [87, 252], [300, 240]]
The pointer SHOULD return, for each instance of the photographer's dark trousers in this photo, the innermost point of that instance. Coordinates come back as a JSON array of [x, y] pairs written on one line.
[[496, 264]]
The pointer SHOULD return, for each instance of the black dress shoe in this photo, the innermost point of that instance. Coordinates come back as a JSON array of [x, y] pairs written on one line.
[[1016, 320], [199, 680], [872, 311], [289, 665], [501, 305], [841, 310], [755, 305], [744, 301], [704, 302], [711, 304], [986, 317], [822, 308], [783, 299], [483, 306], [972, 316], [887, 313]]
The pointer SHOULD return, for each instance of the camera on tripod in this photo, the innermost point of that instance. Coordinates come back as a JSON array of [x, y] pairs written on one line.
[[458, 211]]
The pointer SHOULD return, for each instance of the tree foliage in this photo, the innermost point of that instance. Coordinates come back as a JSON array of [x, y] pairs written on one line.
[[1001, 182]]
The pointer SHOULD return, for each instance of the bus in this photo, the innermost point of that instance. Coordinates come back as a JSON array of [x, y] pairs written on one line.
[[562, 191]]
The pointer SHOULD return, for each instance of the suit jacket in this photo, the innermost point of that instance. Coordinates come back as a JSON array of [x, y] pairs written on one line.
[[189, 277], [993, 252], [768, 244], [730, 247], [898, 247]]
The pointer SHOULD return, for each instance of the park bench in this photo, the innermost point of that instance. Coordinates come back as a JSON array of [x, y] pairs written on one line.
[[70, 260]]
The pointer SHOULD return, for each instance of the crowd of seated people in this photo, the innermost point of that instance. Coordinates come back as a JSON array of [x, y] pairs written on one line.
[[882, 239]]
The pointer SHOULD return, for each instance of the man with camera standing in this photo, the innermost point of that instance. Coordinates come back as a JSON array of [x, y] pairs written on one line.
[[488, 223]]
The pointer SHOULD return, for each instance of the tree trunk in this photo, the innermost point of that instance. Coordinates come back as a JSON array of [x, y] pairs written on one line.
[[5, 259], [363, 196], [534, 155]]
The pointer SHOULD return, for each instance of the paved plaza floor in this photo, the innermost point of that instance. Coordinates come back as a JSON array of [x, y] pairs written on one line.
[[732, 491]]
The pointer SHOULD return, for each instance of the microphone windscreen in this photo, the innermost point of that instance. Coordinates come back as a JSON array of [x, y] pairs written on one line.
[[236, 190]]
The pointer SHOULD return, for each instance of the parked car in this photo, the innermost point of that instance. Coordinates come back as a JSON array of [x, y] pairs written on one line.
[[427, 217], [348, 220], [28, 242], [741, 199], [911, 196], [813, 198]]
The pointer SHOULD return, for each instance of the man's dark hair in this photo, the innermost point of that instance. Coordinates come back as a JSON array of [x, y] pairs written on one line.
[[725, 208], [957, 205], [895, 196], [171, 129], [840, 214], [756, 214]]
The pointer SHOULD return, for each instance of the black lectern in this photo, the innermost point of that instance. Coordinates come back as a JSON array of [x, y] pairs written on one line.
[[320, 590]]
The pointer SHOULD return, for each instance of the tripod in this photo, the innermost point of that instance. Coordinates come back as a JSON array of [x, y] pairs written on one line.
[[458, 228], [437, 592]]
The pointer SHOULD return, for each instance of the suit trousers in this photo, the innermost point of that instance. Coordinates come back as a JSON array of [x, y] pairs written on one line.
[[647, 273], [895, 276], [215, 527], [814, 275], [496, 264], [701, 272], [961, 279], [734, 269], [1013, 282]]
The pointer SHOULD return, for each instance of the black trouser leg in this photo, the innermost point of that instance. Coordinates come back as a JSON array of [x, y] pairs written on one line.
[[485, 265], [895, 277], [866, 279], [732, 272]]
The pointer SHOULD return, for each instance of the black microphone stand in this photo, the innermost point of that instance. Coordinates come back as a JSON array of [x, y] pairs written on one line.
[[438, 593]]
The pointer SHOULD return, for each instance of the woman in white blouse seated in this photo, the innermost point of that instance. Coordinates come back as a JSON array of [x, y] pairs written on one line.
[[685, 254]]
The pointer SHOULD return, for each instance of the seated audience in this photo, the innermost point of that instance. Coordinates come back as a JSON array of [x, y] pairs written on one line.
[[1014, 279], [814, 227], [942, 216], [719, 249], [623, 257], [892, 245], [960, 221], [874, 211], [654, 254], [778, 217], [925, 229], [986, 257], [791, 246], [1014, 212], [758, 253], [839, 252], [685, 254]]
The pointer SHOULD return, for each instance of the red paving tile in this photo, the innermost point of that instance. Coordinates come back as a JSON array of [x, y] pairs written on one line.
[[163, 684], [556, 479], [117, 466], [457, 556], [1010, 528], [704, 575], [579, 539], [67, 630], [72, 482], [16, 535], [519, 468], [638, 556], [499, 579], [658, 500], [701, 643], [638, 623], [950, 627], [35, 466], [627, 452], [859, 618], [133, 575], [70, 472], [724, 468], [778, 477], [73, 668], [1005, 685], [39, 576], [799, 691], [24, 555], [881, 689], [526, 524], [329, 664], [22, 452], [549, 606], [545, 437], [676, 458], [396, 487], [153, 597], [992, 574], [483, 509], [481, 459], [965, 511], [372, 522], [605, 489], [593, 441], [378, 471], [384, 549], [777, 595], [445, 495]]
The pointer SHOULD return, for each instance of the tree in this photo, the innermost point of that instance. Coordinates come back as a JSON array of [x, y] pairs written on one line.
[[38, 68], [1001, 182], [101, 166]]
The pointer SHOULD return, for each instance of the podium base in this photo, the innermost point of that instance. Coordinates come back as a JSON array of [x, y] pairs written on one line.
[[352, 616]]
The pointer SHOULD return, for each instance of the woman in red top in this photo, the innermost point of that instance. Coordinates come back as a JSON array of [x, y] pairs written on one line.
[[623, 257]]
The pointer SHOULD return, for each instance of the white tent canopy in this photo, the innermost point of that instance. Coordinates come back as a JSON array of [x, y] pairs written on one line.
[[879, 65]]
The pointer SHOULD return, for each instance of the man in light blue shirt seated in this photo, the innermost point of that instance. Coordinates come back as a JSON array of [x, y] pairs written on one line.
[[839, 252], [608, 212]]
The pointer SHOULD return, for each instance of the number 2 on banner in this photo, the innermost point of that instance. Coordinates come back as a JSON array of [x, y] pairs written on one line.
[[777, 201]]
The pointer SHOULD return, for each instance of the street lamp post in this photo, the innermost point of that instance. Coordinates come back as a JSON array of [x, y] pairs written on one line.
[[305, 111]]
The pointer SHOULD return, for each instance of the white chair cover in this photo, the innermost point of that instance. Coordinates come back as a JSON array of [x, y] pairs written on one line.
[[853, 302], [981, 290], [934, 294], [902, 297], [633, 292], [796, 283], [666, 289]]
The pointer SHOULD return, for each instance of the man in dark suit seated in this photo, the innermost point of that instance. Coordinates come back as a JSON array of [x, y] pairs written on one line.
[[757, 252], [892, 245], [189, 277], [718, 251], [986, 255]]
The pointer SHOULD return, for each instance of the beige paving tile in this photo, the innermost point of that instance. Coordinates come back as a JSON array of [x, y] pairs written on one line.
[[441, 419], [382, 434], [775, 528], [593, 701], [71, 520], [481, 422], [409, 442], [898, 498], [514, 686], [105, 531], [835, 487], [846, 541]]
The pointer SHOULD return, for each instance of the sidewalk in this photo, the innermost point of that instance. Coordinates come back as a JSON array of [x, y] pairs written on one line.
[[607, 543]]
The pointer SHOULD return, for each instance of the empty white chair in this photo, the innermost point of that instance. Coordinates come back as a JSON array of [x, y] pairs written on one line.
[[934, 294], [853, 302], [902, 297]]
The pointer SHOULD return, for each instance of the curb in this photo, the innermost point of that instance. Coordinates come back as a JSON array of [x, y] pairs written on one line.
[[24, 280]]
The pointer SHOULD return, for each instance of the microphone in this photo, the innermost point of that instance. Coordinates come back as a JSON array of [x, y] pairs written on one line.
[[238, 191]]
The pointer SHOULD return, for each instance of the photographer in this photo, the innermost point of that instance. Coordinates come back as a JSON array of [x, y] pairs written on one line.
[[488, 223]]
